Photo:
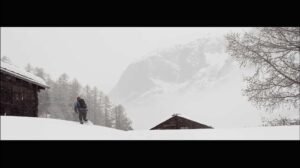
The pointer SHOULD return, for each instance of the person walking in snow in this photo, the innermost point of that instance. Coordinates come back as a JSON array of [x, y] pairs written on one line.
[[81, 108]]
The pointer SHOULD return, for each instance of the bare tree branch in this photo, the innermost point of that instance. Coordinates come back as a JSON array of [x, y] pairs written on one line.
[[274, 52]]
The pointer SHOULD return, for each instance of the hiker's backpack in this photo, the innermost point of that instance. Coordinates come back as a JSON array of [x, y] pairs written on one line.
[[82, 103]]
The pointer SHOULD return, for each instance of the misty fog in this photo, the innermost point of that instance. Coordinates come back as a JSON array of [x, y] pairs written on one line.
[[152, 72]]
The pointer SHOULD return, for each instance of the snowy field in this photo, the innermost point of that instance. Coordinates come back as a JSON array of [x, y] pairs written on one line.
[[28, 128]]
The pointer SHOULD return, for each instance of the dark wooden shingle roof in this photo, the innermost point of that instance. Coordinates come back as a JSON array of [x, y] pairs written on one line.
[[177, 122]]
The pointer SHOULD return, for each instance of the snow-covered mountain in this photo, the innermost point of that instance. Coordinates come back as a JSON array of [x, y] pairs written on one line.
[[179, 80], [179, 66]]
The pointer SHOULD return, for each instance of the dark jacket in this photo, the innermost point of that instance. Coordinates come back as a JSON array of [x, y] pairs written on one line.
[[77, 108]]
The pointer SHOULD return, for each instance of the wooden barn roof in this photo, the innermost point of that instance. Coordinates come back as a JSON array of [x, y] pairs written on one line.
[[22, 74], [182, 119]]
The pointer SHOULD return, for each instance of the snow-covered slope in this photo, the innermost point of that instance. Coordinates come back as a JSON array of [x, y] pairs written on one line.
[[254, 133], [29, 128]]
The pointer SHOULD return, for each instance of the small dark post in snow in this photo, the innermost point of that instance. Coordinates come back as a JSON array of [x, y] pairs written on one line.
[[176, 114]]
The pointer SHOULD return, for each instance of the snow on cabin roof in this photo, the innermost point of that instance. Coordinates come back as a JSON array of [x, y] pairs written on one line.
[[22, 74]]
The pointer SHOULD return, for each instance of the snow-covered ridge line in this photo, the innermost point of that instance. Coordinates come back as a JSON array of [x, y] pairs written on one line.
[[32, 128], [22, 74]]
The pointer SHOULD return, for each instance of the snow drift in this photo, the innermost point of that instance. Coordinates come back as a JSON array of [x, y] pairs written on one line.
[[29, 128]]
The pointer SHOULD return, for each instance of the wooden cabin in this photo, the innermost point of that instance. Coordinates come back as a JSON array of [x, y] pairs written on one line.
[[177, 122], [19, 91]]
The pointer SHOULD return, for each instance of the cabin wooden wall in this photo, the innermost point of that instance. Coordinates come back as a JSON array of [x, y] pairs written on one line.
[[18, 97]]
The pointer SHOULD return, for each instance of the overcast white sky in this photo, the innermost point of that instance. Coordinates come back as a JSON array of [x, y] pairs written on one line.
[[95, 56]]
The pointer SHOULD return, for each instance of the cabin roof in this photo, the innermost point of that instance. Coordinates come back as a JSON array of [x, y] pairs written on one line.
[[182, 118], [22, 74]]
